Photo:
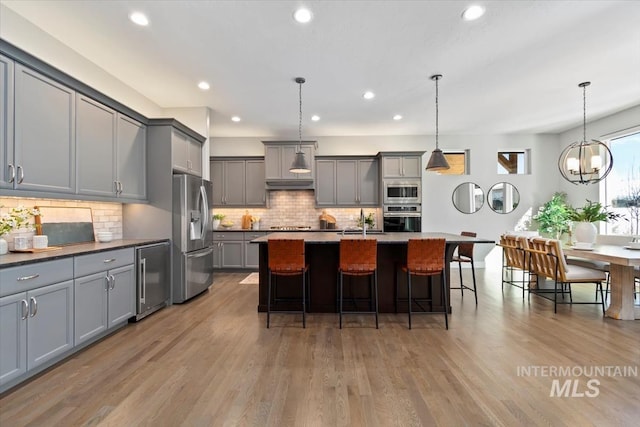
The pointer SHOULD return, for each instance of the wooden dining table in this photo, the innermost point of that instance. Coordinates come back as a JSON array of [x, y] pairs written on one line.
[[622, 262]]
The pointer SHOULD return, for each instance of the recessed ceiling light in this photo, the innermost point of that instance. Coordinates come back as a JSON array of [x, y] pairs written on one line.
[[302, 15], [369, 95], [315, 118], [204, 85], [139, 18], [397, 117], [235, 119], [473, 12]]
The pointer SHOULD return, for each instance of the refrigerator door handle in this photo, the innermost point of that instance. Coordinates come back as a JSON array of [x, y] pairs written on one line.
[[143, 280], [205, 212]]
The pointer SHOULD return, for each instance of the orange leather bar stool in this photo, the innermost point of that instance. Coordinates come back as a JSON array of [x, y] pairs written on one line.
[[465, 254], [358, 257], [425, 257], [286, 258]]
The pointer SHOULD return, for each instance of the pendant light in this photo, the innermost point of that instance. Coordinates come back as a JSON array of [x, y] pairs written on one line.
[[585, 162], [437, 161], [300, 164]]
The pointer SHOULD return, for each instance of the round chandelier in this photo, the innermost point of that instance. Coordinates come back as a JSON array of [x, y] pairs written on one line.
[[585, 162]]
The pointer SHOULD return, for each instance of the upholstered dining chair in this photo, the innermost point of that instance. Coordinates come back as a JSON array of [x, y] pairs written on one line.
[[465, 255], [516, 265], [426, 257], [548, 260], [358, 257], [286, 258]]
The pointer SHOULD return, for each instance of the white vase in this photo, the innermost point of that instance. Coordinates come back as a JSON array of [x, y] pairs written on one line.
[[4, 247], [585, 232], [216, 224]]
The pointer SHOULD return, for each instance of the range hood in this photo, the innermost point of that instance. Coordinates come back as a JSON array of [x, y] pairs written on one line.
[[290, 184]]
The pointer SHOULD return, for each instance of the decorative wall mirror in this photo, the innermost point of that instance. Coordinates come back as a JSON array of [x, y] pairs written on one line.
[[468, 197], [503, 197]]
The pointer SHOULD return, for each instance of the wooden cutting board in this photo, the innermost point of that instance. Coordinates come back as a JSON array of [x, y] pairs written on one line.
[[35, 251]]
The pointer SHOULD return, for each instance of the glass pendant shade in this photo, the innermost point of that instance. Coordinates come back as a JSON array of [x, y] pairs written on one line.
[[299, 164], [585, 162]]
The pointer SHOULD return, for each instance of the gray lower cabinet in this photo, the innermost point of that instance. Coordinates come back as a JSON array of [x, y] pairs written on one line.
[[347, 181], [44, 133], [35, 327], [231, 253], [251, 250], [6, 123], [186, 154], [105, 292], [238, 182]]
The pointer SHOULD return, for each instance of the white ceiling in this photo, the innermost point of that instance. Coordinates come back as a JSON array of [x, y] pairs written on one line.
[[515, 70]]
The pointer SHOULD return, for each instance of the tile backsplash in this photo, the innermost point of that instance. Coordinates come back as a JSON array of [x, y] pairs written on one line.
[[296, 208], [106, 216]]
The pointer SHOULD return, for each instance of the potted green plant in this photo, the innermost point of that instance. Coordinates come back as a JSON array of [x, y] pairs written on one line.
[[216, 220], [584, 229], [553, 217]]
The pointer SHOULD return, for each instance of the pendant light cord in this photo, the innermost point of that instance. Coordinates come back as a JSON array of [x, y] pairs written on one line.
[[584, 113], [437, 112], [300, 117]]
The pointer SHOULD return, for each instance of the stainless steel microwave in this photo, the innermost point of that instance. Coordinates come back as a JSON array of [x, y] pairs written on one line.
[[402, 192]]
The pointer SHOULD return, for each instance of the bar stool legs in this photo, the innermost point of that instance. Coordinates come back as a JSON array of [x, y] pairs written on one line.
[[373, 288], [443, 288]]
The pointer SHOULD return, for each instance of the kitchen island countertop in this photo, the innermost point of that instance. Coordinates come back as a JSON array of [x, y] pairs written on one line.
[[324, 237], [12, 259]]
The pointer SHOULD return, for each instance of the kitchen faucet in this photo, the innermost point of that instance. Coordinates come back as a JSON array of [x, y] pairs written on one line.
[[364, 225]]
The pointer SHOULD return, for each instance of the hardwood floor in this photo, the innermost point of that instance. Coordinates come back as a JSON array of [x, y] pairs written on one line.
[[212, 362]]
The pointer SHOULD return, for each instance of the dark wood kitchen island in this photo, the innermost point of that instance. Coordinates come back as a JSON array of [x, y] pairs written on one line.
[[322, 255]]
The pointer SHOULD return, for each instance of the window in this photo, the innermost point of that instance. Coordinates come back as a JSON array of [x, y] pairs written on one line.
[[513, 162], [457, 163], [622, 186]]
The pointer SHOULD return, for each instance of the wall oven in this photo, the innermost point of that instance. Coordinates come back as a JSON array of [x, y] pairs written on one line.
[[402, 218], [402, 192]]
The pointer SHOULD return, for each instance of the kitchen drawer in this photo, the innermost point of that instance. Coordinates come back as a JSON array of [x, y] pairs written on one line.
[[250, 235], [32, 276], [102, 261], [222, 236]]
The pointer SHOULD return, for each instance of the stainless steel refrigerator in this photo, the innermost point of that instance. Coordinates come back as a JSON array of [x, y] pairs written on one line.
[[192, 237]]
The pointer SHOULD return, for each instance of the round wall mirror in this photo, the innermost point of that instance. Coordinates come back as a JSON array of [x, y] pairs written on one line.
[[503, 197], [468, 197]]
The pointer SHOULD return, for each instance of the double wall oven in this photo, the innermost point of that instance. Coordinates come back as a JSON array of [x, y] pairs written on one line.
[[402, 202]]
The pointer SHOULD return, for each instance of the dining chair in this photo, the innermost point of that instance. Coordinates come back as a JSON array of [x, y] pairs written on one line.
[[465, 255], [358, 258], [516, 262], [286, 258], [548, 261], [426, 257]]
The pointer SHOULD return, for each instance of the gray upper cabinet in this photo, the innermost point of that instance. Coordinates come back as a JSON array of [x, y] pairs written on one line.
[[187, 153], [238, 182], [7, 174], [325, 182], [44, 144], [96, 148], [111, 152], [347, 181], [401, 165], [255, 193], [279, 156], [131, 156]]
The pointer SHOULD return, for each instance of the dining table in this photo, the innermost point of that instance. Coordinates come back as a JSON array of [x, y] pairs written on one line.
[[623, 262]]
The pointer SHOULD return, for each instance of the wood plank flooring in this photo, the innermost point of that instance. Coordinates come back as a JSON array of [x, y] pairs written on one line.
[[212, 362]]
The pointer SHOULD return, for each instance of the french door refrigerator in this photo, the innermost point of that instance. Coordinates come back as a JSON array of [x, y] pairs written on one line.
[[192, 237]]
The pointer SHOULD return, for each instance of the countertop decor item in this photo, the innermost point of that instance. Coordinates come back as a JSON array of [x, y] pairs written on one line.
[[437, 161], [216, 220], [300, 164], [585, 162]]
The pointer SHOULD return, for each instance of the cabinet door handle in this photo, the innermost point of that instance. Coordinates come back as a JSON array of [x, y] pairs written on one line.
[[113, 281], [107, 261], [23, 278], [119, 187], [33, 303], [143, 279], [115, 187], [12, 173], [107, 283], [20, 174], [25, 309]]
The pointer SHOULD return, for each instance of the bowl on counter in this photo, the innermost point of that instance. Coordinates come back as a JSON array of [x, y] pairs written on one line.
[[104, 236], [226, 225]]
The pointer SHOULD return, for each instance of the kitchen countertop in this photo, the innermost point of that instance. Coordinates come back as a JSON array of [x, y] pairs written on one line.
[[312, 230], [12, 259], [324, 237]]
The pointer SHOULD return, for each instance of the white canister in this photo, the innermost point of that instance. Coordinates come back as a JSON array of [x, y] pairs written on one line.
[[40, 242], [20, 243]]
